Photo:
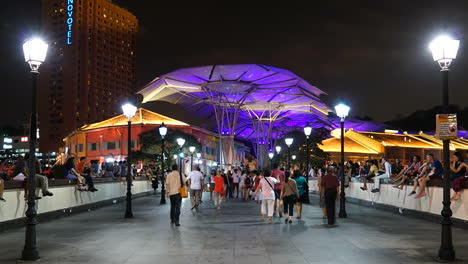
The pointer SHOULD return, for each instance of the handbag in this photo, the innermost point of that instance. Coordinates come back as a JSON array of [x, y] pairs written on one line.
[[276, 194], [183, 189]]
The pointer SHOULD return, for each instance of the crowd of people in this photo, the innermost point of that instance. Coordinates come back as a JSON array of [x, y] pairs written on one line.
[[280, 192]]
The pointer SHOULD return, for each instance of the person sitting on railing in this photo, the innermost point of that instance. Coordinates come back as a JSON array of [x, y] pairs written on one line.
[[373, 171], [411, 171], [21, 173], [71, 173], [436, 171], [397, 167], [459, 169], [89, 179], [383, 174], [2, 187]]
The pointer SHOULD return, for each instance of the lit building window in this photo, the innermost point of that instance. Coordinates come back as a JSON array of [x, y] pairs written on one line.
[[24, 139]]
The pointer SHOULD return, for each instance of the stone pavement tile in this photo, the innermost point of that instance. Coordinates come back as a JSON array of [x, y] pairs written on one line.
[[252, 259]]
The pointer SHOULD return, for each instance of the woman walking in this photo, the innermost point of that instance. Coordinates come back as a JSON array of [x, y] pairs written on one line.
[[267, 195], [302, 187], [219, 189], [289, 195]]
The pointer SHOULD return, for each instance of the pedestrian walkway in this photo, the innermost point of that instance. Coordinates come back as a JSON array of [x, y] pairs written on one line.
[[234, 234]]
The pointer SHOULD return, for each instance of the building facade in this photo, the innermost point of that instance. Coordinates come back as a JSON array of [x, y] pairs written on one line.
[[108, 139], [90, 67]]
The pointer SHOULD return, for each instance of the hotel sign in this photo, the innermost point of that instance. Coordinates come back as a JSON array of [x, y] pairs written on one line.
[[446, 126], [69, 20]]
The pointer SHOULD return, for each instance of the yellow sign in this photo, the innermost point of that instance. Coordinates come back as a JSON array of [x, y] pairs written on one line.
[[446, 126]]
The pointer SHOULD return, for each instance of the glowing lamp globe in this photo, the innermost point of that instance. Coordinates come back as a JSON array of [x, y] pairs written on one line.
[[175, 156], [129, 110], [270, 155], [444, 50], [35, 51], [342, 111], [163, 130], [293, 157], [180, 142], [278, 149], [307, 130], [288, 141], [198, 155], [192, 149]]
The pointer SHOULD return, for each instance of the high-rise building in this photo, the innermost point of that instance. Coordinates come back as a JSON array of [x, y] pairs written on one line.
[[90, 67]]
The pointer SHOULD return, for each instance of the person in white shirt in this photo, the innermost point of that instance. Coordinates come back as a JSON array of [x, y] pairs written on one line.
[[235, 182], [173, 183], [385, 174], [196, 183], [241, 184], [267, 194]]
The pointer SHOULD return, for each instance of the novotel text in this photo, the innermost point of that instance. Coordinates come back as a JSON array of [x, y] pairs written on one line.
[[69, 20]]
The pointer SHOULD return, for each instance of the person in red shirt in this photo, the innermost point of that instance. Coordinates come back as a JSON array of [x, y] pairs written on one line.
[[219, 189], [279, 176], [331, 186]]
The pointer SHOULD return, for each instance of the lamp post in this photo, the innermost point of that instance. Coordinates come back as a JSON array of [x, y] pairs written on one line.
[[163, 133], [129, 111], [293, 157], [289, 142], [192, 150], [180, 142], [307, 132], [35, 51], [342, 111], [271, 155], [444, 50]]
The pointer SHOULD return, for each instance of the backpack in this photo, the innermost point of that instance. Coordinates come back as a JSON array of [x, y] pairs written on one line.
[[247, 181]]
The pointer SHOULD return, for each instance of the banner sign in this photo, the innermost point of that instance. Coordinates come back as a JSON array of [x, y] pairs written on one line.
[[446, 126]]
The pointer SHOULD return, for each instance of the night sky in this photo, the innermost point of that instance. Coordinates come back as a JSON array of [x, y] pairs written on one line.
[[375, 56]]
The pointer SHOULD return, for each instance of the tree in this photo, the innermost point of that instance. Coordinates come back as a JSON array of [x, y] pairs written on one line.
[[151, 145], [317, 156]]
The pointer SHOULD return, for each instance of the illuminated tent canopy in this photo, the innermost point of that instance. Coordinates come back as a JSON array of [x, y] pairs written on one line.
[[240, 97]]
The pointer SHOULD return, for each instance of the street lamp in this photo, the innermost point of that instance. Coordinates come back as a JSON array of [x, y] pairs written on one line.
[[129, 111], [289, 142], [278, 149], [271, 155], [180, 142], [35, 51], [293, 157], [163, 133], [342, 111], [192, 150], [444, 50], [198, 158], [307, 132]]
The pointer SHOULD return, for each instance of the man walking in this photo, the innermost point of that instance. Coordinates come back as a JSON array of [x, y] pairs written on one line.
[[196, 183], [331, 186], [173, 183], [235, 182], [279, 176]]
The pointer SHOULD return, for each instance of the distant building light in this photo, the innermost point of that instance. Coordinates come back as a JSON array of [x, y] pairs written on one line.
[[7, 146], [24, 139], [7, 140]]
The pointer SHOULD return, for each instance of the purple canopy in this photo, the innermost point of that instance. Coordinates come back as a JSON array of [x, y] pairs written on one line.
[[235, 96]]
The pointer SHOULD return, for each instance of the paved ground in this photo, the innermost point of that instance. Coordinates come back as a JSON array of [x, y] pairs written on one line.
[[234, 234]]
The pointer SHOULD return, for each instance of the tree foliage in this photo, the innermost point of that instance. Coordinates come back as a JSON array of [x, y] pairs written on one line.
[[151, 142], [317, 156]]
